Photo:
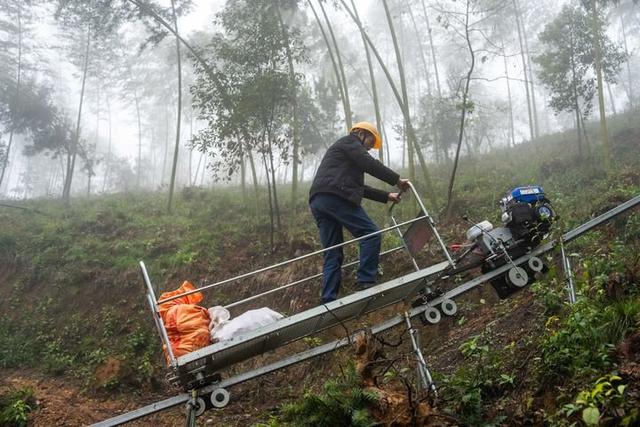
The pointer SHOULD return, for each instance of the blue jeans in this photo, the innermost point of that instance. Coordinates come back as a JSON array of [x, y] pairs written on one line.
[[332, 213]]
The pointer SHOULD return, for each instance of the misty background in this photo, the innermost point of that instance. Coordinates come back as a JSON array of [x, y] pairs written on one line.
[[119, 134]]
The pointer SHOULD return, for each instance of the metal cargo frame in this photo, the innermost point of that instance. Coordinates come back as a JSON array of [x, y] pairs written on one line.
[[223, 354]]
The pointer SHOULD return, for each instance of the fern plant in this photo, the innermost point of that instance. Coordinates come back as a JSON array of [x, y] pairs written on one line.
[[343, 402]]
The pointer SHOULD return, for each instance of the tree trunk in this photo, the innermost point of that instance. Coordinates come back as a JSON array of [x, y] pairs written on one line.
[[629, 78], [611, 99], [345, 103], [190, 147], [271, 219], [534, 107], [194, 180], [467, 145], [66, 192], [423, 58], [254, 177], [604, 133], [575, 95], [166, 146], [404, 150], [294, 103], [154, 156], [585, 135], [340, 68], [512, 136], [174, 167], [15, 101], [243, 173], [268, 134], [403, 87], [524, 68], [386, 146], [374, 89], [108, 159], [53, 178], [204, 168], [410, 158], [411, 132], [276, 205], [97, 113], [139, 172], [464, 112], [433, 50]]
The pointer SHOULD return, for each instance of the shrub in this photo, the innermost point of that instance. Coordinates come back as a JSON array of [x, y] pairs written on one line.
[[343, 402], [15, 406], [482, 376], [603, 404]]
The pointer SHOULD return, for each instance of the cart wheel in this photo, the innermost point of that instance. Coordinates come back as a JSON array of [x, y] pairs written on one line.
[[449, 307], [199, 406], [431, 315], [517, 277], [535, 264], [220, 398]]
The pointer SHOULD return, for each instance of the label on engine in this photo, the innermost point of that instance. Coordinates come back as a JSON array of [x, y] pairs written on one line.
[[525, 191]]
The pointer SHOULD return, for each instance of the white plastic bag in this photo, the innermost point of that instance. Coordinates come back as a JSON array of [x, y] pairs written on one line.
[[248, 321], [218, 314]]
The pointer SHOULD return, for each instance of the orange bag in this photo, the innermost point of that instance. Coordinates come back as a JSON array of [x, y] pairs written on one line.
[[186, 322]]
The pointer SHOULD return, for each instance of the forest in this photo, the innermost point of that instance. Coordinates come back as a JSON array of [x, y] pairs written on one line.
[[187, 133]]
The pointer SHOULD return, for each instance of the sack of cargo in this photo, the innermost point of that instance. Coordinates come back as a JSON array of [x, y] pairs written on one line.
[[248, 321], [218, 314], [186, 322]]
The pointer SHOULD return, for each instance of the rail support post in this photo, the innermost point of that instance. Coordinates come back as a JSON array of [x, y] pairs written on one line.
[[566, 267], [423, 371], [192, 409]]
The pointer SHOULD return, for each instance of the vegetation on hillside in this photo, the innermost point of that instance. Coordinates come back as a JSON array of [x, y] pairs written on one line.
[[74, 299]]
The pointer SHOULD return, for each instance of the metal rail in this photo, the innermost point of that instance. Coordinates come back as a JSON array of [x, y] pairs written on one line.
[[381, 327]]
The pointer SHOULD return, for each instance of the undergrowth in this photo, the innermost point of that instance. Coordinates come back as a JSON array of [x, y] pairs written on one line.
[[342, 402], [15, 406]]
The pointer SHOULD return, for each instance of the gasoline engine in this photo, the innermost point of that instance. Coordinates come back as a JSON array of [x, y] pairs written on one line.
[[527, 217]]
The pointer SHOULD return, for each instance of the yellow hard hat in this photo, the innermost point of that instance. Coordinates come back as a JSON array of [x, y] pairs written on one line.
[[369, 128]]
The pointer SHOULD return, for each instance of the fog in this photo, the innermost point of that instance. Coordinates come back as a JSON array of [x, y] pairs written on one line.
[[273, 81]]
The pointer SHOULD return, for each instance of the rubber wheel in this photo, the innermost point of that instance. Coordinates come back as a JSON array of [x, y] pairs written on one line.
[[535, 264], [517, 277], [449, 307], [220, 398], [431, 315]]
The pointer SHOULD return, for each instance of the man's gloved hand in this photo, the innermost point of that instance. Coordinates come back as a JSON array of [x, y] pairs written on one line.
[[394, 197], [403, 184]]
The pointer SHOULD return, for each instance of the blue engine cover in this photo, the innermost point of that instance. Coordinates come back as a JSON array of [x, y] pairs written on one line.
[[528, 194]]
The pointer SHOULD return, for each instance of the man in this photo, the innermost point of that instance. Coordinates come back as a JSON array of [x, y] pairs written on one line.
[[335, 197]]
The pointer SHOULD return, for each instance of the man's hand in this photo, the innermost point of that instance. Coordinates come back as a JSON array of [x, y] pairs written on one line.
[[403, 184], [394, 197]]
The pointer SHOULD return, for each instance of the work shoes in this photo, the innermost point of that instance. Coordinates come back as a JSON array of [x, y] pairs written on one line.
[[361, 286]]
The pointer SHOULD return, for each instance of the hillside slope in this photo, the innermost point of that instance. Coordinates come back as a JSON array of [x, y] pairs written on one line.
[[76, 330]]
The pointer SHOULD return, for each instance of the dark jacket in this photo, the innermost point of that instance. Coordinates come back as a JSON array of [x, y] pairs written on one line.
[[342, 170]]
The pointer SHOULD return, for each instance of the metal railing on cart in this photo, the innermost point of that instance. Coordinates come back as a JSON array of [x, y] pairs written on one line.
[[419, 231]]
